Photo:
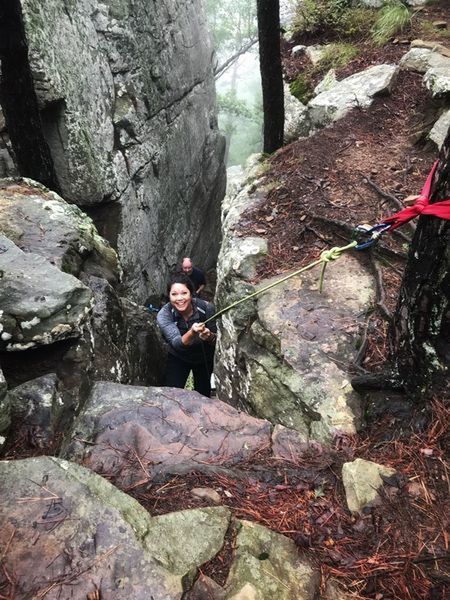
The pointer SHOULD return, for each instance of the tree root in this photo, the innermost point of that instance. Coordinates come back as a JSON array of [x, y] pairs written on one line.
[[377, 381], [380, 248], [381, 296]]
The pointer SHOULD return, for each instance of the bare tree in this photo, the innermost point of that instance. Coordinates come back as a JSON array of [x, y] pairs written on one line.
[[268, 12], [421, 326]]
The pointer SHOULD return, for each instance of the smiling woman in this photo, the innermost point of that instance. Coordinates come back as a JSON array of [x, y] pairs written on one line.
[[191, 343]]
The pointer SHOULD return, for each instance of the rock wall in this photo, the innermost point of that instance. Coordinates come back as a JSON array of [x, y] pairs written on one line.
[[126, 94], [283, 355]]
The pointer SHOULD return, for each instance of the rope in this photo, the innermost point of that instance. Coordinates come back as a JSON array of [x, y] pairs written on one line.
[[325, 258]]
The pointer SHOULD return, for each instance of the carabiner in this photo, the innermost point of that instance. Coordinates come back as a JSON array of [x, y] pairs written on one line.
[[367, 231]]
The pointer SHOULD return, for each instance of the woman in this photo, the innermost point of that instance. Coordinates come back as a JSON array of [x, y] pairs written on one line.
[[191, 343]]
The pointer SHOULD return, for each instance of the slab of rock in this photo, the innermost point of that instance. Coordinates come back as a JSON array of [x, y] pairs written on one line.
[[440, 129], [128, 345], [69, 533], [362, 480], [421, 59], [290, 445], [288, 366], [5, 418], [296, 120], [39, 304], [134, 432], [267, 565], [183, 540], [39, 221], [357, 90], [437, 80]]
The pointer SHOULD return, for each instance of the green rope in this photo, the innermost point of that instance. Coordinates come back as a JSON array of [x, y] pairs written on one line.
[[325, 258]]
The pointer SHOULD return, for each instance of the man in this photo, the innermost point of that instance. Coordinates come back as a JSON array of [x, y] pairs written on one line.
[[195, 275]]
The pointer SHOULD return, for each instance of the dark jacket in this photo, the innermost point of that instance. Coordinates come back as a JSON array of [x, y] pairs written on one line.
[[173, 327]]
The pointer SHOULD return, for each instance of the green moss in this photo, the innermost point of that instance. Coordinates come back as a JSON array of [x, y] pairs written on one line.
[[302, 88]]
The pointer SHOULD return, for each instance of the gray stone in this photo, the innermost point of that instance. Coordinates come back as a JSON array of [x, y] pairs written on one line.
[[287, 366], [39, 221], [128, 346], [296, 119], [437, 80], [69, 532], [207, 494], [315, 53], [440, 129], [127, 94], [267, 565], [39, 304], [357, 90], [35, 409], [134, 432], [362, 480], [327, 83], [5, 418], [291, 445], [299, 49], [421, 58], [180, 541]]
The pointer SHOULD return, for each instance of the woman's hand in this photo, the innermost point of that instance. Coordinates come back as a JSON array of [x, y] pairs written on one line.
[[207, 336], [199, 328]]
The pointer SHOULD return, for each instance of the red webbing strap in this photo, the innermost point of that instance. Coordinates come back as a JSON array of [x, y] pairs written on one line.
[[422, 206]]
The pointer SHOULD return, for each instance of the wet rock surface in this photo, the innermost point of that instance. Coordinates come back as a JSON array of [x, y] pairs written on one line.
[[162, 428], [126, 92]]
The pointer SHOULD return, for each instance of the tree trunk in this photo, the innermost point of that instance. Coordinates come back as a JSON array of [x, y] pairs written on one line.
[[268, 12], [19, 101], [421, 326]]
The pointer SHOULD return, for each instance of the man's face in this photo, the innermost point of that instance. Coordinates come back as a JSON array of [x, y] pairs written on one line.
[[187, 267]]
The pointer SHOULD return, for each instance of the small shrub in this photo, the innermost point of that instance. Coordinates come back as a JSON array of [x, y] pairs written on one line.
[[336, 56], [357, 22], [319, 15], [393, 18]]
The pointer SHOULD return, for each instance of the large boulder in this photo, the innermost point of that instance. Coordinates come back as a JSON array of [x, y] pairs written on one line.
[[38, 220], [358, 90], [39, 304], [132, 432], [282, 356], [126, 92], [70, 533]]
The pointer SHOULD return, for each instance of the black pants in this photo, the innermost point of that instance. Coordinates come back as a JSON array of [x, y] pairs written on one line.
[[177, 372]]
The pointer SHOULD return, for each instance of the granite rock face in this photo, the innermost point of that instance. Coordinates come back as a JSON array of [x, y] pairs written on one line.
[[128, 109], [282, 355], [60, 306], [89, 536], [163, 427], [39, 304]]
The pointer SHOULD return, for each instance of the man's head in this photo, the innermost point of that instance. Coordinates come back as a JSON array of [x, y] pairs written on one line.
[[187, 266]]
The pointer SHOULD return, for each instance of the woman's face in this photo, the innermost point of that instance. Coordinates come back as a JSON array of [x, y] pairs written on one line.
[[180, 297]]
